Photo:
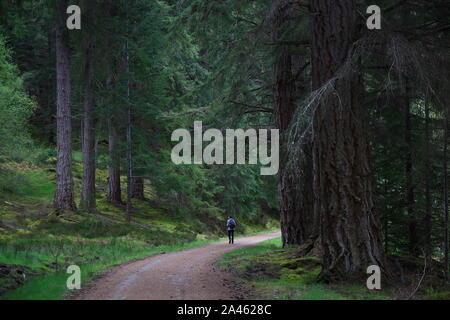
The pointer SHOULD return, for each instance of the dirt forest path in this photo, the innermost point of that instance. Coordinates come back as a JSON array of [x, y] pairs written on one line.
[[182, 275]]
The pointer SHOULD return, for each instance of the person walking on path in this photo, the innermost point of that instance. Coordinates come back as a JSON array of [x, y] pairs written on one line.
[[231, 224]]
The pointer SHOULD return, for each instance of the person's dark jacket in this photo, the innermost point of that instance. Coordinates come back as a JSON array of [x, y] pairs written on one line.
[[231, 224]]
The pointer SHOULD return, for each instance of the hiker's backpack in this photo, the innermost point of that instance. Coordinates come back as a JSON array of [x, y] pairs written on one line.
[[231, 223]]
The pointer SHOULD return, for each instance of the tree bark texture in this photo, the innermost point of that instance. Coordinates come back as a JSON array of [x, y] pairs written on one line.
[[114, 191], [295, 188], [87, 201], [350, 227], [64, 196]]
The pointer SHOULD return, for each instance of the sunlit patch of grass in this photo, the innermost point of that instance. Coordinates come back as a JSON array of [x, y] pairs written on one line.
[[47, 287], [38, 186], [25, 183], [262, 247]]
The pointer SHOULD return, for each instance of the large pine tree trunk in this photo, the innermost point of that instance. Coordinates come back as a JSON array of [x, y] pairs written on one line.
[[350, 228], [114, 191], [64, 197], [87, 201], [295, 193]]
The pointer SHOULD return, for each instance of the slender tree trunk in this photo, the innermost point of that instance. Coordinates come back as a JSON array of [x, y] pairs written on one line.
[[114, 191], [386, 224], [99, 128], [114, 183], [350, 227], [129, 141], [295, 193], [428, 208], [446, 235], [409, 183], [87, 201], [64, 197], [49, 89], [137, 181]]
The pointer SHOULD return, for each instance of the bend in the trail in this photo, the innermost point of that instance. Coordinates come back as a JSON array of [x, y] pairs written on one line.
[[182, 275]]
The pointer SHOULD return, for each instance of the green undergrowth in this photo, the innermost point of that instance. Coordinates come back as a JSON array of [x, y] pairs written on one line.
[[26, 210], [272, 272]]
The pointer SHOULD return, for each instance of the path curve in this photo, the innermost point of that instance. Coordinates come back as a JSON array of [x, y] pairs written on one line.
[[181, 275]]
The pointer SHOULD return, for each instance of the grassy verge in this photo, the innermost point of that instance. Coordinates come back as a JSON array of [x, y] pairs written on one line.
[[50, 261], [271, 272]]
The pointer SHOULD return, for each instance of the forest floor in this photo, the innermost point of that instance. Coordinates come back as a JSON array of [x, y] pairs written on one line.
[[269, 272], [182, 275]]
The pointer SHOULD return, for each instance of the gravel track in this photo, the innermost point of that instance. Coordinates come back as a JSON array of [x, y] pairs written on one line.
[[181, 275]]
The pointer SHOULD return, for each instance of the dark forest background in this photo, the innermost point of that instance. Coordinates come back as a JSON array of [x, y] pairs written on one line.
[[86, 118]]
